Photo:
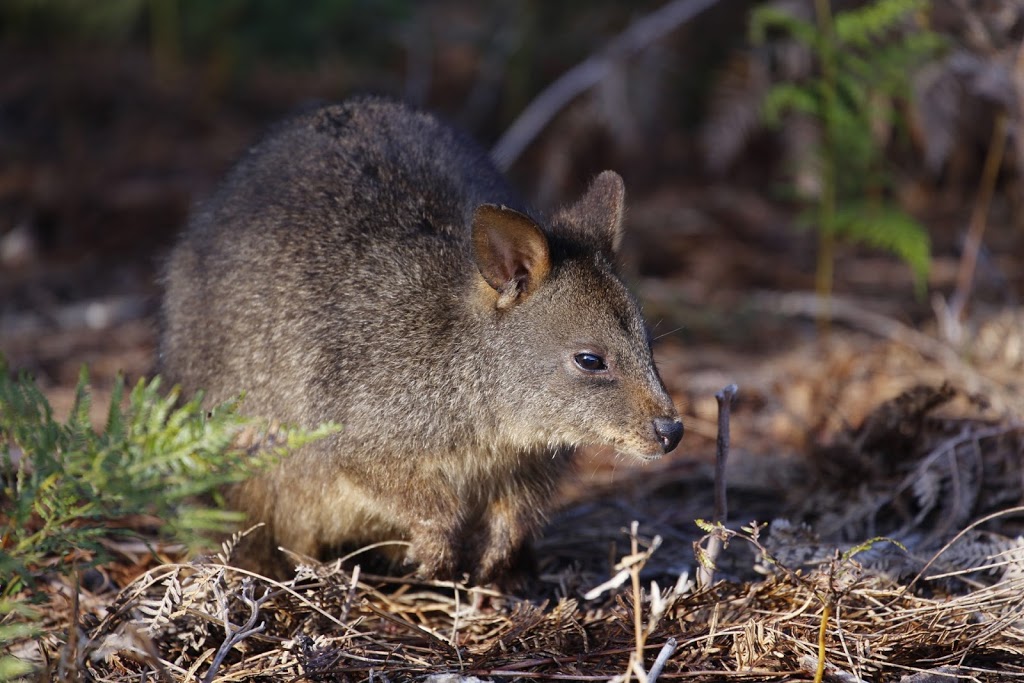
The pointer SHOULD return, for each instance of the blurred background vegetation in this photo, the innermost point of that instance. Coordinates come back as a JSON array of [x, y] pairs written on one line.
[[890, 128]]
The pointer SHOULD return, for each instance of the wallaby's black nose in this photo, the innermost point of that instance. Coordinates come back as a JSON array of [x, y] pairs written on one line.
[[669, 432]]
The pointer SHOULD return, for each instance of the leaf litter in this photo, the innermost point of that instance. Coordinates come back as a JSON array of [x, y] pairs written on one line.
[[893, 552]]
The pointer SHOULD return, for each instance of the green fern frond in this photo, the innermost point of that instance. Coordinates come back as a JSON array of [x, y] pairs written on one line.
[[859, 27], [706, 526], [115, 415], [18, 622], [864, 56], [869, 544], [80, 422], [888, 228], [157, 456], [788, 98], [296, 438]]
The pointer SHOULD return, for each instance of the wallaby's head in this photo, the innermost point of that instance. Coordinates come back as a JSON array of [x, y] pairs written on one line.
[[567, 345]]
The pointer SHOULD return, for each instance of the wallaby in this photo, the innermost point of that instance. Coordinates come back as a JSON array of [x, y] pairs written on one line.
[[367, 265]]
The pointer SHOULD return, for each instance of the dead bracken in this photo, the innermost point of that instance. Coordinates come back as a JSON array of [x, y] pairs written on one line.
[[939, 600]]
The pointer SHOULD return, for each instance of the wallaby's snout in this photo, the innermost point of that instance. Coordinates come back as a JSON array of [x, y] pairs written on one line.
[[669, 431]]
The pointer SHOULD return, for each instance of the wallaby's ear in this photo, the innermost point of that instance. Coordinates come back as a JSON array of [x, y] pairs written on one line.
[[511, 252], [598, 213]]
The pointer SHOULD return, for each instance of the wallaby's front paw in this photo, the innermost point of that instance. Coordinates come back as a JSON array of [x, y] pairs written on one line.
[[489, 570], [503, 547], [511, 569], [435, 556]]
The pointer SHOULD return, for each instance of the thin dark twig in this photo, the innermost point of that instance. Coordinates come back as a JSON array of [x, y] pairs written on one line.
[[725, 399], [706, 572], [350, 597]]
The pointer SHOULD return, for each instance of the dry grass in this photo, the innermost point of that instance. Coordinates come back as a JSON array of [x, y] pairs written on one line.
[[209, 621], [612, 596]]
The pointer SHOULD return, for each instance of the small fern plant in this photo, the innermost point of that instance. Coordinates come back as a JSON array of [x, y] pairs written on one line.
[[864, 57], [64, 487]]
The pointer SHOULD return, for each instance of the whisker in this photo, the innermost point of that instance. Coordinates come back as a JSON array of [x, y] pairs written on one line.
[[669, 332]]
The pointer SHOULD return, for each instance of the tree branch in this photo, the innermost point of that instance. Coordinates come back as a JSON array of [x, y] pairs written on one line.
[[588, 73]]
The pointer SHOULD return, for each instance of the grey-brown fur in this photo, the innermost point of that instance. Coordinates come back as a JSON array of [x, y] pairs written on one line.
[[367, 265]]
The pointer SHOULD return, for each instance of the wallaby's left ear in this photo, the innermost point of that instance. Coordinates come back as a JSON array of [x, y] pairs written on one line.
[[598, 213]]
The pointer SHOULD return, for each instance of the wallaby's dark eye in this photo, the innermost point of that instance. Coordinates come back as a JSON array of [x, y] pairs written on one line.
[[590, 362]]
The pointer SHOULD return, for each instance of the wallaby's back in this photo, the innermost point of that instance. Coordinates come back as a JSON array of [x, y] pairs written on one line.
[[368, 201], [365, 264]]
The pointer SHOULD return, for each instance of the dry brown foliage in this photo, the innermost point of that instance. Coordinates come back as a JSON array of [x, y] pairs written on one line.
[[941, 601]]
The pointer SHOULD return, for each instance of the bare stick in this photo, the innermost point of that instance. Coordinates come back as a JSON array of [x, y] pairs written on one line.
[[725, 397], [351, 597], [637, 595], [588, 73], [666, 651]]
